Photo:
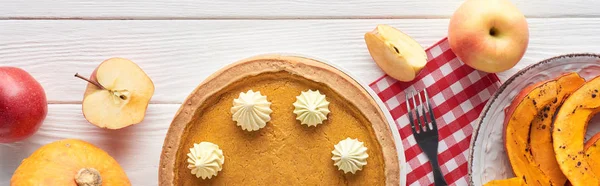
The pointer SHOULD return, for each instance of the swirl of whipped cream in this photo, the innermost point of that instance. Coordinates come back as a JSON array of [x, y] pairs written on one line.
[[251, 110], [311, 108], [350, 155], [205, 160]]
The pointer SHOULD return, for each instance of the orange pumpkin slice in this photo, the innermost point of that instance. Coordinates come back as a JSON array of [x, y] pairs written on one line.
[[533, 108], [592, 153], [569, 130], [69, 162], [541, 131], [507, 182]]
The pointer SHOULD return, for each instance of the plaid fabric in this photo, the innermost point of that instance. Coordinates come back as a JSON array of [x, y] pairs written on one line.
[[458, 94]]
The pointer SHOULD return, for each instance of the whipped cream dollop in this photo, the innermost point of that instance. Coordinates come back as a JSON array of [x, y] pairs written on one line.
[[205, 160], [350, 155], [311, 108], [251, 110]]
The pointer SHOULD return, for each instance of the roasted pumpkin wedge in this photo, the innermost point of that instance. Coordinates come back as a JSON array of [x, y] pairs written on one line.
[[569, 131], [507, 182], [540, 134], [523, 111], [533, 108], [592, 153]]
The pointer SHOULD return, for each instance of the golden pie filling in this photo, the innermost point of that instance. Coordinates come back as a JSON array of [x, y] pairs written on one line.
[[284, 152]]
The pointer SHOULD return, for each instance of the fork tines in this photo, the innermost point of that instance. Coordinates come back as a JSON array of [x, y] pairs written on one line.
[[421, 116]]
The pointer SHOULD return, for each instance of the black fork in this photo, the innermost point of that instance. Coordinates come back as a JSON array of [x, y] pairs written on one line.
[[425, 132]]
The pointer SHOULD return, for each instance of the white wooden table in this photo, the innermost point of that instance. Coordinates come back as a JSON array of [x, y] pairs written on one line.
[[179, 43]]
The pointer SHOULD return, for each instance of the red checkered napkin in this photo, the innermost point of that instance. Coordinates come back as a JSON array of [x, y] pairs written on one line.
[[458, 94]]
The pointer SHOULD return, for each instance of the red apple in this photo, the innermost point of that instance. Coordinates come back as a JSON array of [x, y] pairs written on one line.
[[23, 104], [488, 35]]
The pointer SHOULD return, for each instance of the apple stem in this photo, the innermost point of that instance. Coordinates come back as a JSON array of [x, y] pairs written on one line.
[[90, 81]]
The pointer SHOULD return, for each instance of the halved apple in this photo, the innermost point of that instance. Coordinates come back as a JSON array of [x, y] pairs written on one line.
[[396, 53], [117, 95]]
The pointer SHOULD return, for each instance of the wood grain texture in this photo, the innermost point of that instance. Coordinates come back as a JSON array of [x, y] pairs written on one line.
[[137, 148], [275, 9], [179, 54]]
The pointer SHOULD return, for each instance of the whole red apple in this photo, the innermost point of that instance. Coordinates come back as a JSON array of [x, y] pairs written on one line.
[[488, 35], [23, 105]]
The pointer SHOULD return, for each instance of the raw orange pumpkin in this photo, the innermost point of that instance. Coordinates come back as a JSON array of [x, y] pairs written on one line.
[[569, 130], [531, 109], [69, 162]]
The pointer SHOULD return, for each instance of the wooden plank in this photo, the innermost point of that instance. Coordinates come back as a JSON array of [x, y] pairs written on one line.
[[137, 148], [178, 55], [209, 9]]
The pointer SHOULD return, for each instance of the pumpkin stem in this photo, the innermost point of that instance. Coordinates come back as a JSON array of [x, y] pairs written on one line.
[[88, 177]]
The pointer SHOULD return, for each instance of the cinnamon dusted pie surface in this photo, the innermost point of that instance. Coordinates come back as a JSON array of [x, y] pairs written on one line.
[[284, 152]]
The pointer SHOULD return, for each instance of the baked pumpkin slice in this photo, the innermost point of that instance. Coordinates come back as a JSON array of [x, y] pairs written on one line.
[[515, 181], [569, 131], [592, 153], [530, 111], [541, 130]]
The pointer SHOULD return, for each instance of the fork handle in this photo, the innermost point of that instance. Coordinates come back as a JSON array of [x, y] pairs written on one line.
[[438, 177]]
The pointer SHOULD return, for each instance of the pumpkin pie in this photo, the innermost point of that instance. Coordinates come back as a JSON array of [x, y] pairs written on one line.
[[284, 151]]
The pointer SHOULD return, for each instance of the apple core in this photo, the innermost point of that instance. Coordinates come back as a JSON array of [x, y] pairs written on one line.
[[118, 96]]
